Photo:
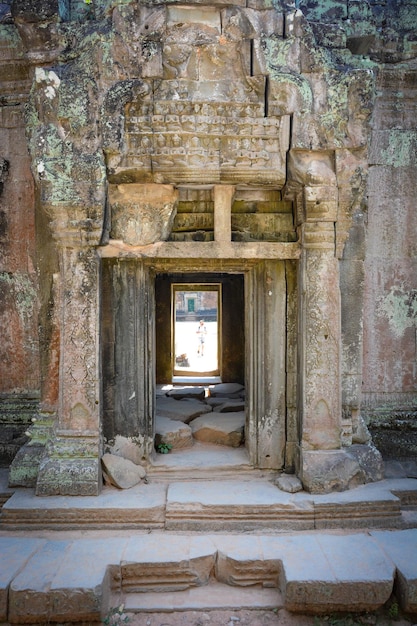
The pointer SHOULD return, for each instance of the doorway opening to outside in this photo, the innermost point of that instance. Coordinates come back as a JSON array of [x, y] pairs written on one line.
[[196, 331]]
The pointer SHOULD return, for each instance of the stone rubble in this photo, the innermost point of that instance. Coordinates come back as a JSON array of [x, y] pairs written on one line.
[[121, 473]]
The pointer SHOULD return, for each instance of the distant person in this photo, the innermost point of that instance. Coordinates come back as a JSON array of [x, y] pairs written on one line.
[[201, 332]]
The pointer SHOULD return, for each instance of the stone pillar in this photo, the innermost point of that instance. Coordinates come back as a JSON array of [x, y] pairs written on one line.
[[265, 329], [319, 385], [131, 395], [71, 463], [223, 196]]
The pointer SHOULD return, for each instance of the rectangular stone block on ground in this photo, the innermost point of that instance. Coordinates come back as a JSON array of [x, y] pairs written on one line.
[[14, 554], [372, 505], [326, 573], [401, 547]]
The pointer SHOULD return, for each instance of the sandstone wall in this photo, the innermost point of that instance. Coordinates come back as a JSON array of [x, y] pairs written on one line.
[[378, 262], [19, 354]]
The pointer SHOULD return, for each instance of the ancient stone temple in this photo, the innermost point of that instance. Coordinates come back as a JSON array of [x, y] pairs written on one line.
[[258, 150]]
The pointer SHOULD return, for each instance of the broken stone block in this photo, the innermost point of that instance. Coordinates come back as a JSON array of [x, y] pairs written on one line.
[[120, 472], [231, 406], [369, 460], [225, 429], [179, 393], [181, 410], [127, 449], [172, 432], [226, 390], [289, 483]]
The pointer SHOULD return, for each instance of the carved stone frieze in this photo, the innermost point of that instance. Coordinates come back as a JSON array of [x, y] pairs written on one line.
[[192, 133]]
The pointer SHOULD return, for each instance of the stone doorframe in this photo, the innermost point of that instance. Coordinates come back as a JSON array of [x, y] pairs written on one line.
[[69, 463], [269, 271], [265, 348]]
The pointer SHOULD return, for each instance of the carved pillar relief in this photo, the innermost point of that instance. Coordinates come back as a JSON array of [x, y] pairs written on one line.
[[312, 184], [71, 464], [320, 330]]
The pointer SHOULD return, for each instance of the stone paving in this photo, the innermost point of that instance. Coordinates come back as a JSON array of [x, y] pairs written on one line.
[[206, 545]]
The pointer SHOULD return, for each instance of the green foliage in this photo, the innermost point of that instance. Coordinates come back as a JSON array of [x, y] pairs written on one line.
[[116, 616], [163, 448], [394, 610], [337, 620]]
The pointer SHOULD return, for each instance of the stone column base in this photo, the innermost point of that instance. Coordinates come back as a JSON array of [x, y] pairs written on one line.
[[71, 467], [324, 471], [23, 470]]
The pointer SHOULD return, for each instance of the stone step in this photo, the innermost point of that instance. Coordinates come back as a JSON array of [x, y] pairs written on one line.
[[214, 596], [81, 578], [249, 504]]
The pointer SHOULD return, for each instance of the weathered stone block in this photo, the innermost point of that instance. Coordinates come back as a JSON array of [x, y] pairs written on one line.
[[323, 471], [142, 214], [121, 472], [172, 432], [225, 429]]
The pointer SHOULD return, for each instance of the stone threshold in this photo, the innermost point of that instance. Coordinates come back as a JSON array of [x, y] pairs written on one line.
[[64, 579], [245, 505], [214, 596]]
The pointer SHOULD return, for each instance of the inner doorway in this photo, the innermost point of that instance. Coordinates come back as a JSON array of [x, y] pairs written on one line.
[[196, 331], [182, 301]]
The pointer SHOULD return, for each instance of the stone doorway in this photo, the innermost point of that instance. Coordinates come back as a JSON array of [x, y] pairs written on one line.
[[231, 309], [201, 413], [136, 315]]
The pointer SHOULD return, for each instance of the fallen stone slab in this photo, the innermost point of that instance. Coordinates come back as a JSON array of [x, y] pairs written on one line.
[[225, 390], [172, 432], [224, 429], [178, 393], [231, 406], [121, 472], [401, 547], [327, 573], [127, 449], [14, 555], [181, 410], [155, 563]]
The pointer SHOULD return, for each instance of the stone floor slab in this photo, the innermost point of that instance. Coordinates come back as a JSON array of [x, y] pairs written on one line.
[[140, 506], [14, 554], [325, 573], [66, 580], [401, 547], [232, 505]]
